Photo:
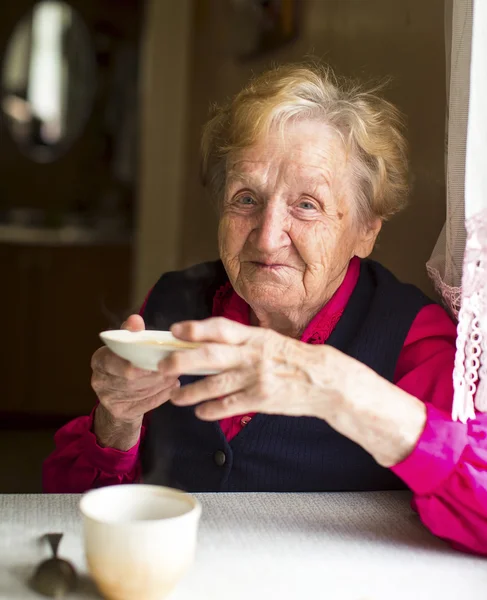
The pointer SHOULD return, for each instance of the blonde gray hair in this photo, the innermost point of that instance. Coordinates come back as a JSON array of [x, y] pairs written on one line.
[[370, 127]]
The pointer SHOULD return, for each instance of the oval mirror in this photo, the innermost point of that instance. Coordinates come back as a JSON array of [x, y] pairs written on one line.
[[48, 80]]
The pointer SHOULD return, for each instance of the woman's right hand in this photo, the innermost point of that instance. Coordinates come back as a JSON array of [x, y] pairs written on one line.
[[126, 394]]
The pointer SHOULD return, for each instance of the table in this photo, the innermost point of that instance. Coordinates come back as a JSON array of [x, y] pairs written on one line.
[[352, 546]]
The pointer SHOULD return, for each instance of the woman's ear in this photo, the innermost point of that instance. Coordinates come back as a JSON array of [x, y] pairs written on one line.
[[366, 238]]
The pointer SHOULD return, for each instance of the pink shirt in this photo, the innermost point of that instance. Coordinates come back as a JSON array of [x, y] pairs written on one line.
[[447, 471]]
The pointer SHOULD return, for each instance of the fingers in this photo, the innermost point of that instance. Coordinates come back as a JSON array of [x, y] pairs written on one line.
[[125, 376], [134, 323], [132, 410], [217, 329], [107, 388], [105, 360], [215, 386], [235, 404], [210, 357], [126, 392]]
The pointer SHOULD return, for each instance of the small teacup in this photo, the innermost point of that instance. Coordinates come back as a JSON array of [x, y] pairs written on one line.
[[139, 539]]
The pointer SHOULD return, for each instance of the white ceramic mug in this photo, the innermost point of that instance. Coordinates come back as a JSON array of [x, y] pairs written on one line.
[[139, 539]]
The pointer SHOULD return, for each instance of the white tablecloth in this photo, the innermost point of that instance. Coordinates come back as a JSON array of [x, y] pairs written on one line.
[[364, 546]]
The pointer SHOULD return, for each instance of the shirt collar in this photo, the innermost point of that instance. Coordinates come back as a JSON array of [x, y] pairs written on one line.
[[227, 303]]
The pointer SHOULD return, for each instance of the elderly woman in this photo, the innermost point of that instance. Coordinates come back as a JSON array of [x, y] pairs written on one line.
[[332, 375]]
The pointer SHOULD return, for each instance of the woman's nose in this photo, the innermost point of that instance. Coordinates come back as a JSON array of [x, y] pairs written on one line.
[[271, 235]]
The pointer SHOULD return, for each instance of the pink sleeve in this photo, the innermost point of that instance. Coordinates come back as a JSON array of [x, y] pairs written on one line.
[[78, 463], [447, 471]]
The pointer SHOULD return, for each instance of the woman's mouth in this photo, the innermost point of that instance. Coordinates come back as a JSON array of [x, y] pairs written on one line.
[[269, 266]]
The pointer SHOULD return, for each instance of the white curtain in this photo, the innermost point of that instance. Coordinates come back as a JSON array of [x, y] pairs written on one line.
[[445, 264], [470, 375], [459, 261]]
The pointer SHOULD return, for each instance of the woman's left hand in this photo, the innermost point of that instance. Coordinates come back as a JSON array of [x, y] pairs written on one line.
[[264, 371], [261, 371]]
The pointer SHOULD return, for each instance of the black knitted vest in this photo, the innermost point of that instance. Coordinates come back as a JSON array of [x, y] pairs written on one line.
[[276, 453]]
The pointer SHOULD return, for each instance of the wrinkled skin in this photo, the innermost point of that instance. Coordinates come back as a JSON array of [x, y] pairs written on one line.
[[288, 225]]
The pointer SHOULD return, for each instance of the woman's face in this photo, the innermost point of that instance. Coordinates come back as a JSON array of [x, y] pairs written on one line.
[[287, 227]]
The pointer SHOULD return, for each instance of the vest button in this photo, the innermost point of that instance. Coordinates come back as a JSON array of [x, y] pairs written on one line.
[[220, 458]]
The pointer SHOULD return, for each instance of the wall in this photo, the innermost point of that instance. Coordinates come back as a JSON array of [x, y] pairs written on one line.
[[164, 97], [403, 39]]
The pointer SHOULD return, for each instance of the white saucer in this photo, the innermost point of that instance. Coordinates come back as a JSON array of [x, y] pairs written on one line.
[[136, 347]]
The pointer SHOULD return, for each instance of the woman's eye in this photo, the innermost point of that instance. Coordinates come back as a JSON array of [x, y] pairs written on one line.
[[246, 200], [306, 205]]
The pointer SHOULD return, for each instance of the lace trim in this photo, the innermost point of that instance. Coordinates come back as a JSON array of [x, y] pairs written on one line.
[[470, 372], [451, 295]]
